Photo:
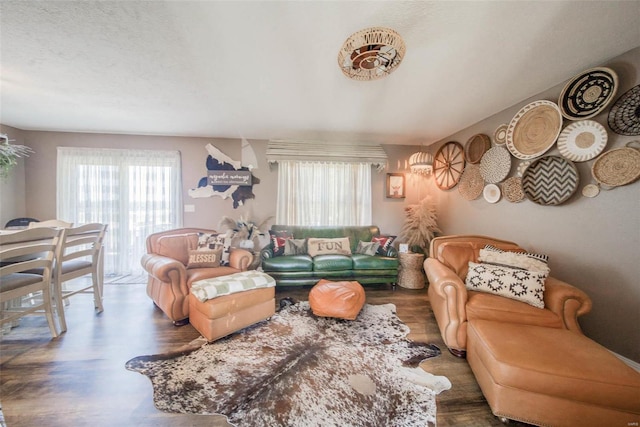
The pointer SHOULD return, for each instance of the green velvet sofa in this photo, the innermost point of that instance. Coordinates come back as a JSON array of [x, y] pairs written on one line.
[[289, 270]]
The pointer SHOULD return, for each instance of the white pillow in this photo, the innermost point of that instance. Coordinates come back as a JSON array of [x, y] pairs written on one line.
[[514, 283], [523, 260]]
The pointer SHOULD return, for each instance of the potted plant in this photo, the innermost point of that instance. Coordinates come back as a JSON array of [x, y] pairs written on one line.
[[420, 225], [9, 154], [246, 231]]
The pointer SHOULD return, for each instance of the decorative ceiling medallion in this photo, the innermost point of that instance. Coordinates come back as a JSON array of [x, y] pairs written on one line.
[[371, 53], [588, 93], [624, 117]]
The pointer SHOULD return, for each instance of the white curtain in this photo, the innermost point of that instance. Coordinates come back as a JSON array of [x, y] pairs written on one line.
[[321, 193], [136, 192]]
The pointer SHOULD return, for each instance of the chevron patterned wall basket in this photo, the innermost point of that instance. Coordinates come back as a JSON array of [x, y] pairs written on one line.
[[550, 180]]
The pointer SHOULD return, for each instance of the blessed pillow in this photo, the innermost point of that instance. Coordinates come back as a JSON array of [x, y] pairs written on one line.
[[523, 260], [385, 243], [367, 248], [295, 247], [514, 283], [337, 246], [278, 239], [205, 258]]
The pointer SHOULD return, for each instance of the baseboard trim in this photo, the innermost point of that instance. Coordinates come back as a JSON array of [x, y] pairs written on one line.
[[631, 363]]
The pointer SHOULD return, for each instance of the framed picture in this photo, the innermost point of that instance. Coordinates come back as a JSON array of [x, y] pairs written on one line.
[[395, 186]]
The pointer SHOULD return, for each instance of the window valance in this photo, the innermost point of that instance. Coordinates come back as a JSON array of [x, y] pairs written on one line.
[[326, 152]]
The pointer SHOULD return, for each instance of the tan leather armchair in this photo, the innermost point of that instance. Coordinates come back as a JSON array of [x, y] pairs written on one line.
[[454, 305], [170, 281]]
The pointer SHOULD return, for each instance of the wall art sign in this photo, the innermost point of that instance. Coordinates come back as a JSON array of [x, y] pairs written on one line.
[[395, 186], [222, 177]]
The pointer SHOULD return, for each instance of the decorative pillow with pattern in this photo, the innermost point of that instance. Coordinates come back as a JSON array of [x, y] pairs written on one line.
[[205, 258], [278, 239], [521, 285], [367, 248], [337, 246], [295, 247], [215, 240], [385, 243], [524, 260]]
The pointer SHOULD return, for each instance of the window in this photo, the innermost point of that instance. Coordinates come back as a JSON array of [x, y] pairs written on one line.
[[136, 192], [321, 193]]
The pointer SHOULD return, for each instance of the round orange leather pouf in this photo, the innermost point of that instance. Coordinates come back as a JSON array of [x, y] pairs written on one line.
[[337, 299]]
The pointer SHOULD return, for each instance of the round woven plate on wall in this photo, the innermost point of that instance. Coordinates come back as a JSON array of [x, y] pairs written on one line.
[[534, 129], [495, 165], [475, 147], [620, 166], [491, 193], [624, 117], [588, 93], [512, 189], [500, 135], [471, 182], [582, 140], [550, 180]]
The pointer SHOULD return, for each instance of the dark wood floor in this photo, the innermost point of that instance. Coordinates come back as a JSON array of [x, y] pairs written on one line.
[[79, 379]]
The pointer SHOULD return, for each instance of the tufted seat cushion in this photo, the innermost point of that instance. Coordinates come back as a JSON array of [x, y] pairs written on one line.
[[337, 299]]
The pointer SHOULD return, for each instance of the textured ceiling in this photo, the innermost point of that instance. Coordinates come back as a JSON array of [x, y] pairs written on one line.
[[267, 70]]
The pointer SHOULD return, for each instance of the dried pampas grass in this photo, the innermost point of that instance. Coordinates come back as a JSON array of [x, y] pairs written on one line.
[[420, 224]]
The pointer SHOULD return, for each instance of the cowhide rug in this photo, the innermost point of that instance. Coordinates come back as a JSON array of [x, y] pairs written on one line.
[[296, 369]]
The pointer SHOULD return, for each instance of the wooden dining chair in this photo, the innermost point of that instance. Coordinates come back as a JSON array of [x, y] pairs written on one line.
[[22, 252], [80, 254], [56, 223]]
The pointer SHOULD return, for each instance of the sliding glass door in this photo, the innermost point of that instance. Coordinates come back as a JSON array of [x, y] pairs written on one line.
[[136, 192]]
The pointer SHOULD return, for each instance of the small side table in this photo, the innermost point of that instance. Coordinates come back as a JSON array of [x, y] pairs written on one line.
[[410, 273]]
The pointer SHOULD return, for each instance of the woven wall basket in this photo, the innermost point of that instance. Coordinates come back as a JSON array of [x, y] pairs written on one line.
[[471, 182], [512, 189], [534, 129], [620, 166], [475, 147]]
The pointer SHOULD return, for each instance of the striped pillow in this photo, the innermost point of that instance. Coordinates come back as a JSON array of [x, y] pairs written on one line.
[[522, 260]]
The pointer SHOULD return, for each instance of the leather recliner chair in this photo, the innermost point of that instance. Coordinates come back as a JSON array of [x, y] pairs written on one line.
[[169, 282], [454, 306]]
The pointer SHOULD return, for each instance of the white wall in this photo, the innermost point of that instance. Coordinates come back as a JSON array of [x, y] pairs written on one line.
[[594, 244]]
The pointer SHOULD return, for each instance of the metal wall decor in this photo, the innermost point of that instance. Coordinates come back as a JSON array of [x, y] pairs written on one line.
[[624, 117], [448, 165], [588, 93], [371, 53]]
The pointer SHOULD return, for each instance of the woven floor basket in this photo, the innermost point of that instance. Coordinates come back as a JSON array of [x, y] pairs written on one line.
[[410, 274]]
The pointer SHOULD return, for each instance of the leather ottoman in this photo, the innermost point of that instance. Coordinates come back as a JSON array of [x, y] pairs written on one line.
[[551, 377], [343, 300], [221, 316]]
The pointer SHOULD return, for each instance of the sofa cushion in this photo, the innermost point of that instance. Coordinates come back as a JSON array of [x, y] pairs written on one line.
[[295, 247], [214, 240], [322, 246], [369, 262], [288, 263], [177, 246], [525, 260], [205, 258], [278, 240], [332, 262], [485, 306], [367, 248], [385, 242], [521, 285]]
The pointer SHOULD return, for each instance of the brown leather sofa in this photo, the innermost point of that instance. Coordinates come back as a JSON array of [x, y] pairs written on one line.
[[169, 282], [454, 306], [532, 364]]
